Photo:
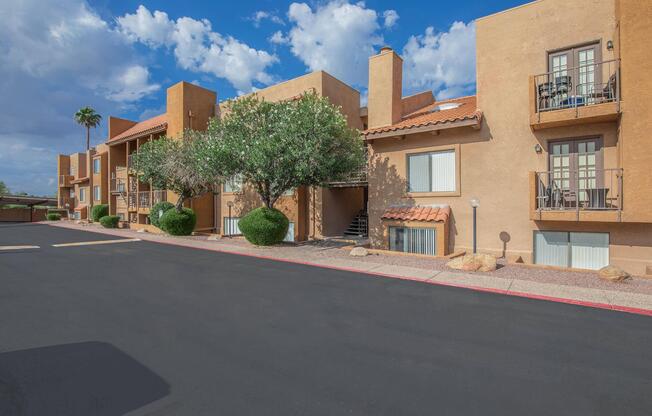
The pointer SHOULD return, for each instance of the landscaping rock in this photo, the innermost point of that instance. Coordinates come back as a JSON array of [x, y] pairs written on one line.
[[613, 274], [359, 252], [141, 230], [473, 263], [214, 237]]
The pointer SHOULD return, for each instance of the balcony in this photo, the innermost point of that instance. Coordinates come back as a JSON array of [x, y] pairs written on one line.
[[64, 180], [159, 196], [66, 203], [132, 201], [144, 199], [593, 195], [118, 186], [584, 94]]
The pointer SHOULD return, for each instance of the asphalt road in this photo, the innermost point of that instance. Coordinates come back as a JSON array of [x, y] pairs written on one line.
[[142, 328]]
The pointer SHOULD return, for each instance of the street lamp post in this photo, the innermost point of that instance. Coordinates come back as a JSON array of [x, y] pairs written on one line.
[[230, 204], [475, 203]]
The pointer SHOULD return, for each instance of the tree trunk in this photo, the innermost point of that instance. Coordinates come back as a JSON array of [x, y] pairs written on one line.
[[88, 138], [179, 204]]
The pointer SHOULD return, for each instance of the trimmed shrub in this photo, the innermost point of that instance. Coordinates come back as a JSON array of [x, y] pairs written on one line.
[[110, 221], [178, 223], [157, 211], [264, 226], [99, 211], [53, 216]]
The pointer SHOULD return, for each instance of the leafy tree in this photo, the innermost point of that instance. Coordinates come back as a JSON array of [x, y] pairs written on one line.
[[88, 118], [175, 165], [278, 146], [4, 190]]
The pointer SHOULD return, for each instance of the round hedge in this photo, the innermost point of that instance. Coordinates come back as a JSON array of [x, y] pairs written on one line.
[[174, 222], [264, 226], [110, 221], [157, 211], [99, 211], [53, 216]]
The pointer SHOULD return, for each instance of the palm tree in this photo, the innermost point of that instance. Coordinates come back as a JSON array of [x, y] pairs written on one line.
[[88, 118]]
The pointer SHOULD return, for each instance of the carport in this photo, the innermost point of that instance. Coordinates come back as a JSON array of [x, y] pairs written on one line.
[[17, 214]]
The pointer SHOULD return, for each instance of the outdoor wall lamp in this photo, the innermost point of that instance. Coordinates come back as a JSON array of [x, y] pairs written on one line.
[[610, 45], [475, 203], [538, 148]]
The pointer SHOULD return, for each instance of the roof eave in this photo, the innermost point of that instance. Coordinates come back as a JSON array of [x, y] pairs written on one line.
[[153, 130], [474, 121]]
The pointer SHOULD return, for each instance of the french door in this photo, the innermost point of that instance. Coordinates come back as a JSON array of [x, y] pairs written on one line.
[[576, 166], [579, 65]]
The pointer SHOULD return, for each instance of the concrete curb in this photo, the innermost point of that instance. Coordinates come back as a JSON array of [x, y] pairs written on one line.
[[376, 270]]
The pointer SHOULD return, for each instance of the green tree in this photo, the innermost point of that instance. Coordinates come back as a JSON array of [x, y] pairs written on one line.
[[88, 118], [175, 165], [4, 190], [278, 146]]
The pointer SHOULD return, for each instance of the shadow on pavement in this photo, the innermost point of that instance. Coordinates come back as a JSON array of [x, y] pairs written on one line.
[[88, 378]]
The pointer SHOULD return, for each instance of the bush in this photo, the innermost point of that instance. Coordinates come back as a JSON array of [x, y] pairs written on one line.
[[178, 223], [99, 211], [53, 216], [110, 221], [264, 226], [157, 211]]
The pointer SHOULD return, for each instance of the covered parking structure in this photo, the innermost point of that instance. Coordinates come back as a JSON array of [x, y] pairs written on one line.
[[24, 210]]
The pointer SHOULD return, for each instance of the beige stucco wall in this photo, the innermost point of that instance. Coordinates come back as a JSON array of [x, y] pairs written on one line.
[[495, 162]]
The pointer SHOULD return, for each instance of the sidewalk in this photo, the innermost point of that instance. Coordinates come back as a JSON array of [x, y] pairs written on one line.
[[634, 296]]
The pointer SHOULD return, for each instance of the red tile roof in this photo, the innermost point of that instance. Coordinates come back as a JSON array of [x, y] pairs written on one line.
[[418, 213], [144, 127], [425, 116]]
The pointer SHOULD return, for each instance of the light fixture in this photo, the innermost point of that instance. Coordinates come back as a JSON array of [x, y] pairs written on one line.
[[538, 148], [475, 203], [610, 45]]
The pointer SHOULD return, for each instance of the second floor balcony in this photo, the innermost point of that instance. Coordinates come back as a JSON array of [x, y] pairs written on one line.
[[64, 180], [577, 195], [118, 185], [583, 94]]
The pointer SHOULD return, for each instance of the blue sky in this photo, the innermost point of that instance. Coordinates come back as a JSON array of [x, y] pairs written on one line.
[[120, 56]]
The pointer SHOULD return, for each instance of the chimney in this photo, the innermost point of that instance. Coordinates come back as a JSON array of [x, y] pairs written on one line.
[[385, 88]]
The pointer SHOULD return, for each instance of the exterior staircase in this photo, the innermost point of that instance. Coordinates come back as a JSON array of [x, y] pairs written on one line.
[[359, 226]]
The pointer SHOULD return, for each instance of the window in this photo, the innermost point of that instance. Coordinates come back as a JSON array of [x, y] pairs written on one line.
[[233, 185], [231, 226], [96, 165], [82, 194], [121, 215], [72, 193], [577, 166], [413, 240], [432, 172], [571, 249], [576, 71], [96, 193]]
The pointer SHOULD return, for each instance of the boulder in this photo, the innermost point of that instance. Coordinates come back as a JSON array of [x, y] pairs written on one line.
[[473, 263], [613, 274], [359, 252], [141, 230]]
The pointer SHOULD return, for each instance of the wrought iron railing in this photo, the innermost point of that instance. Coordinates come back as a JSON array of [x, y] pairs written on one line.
[[144, 199], [132, 200], [580, 189], [585, 85], [118, 185]]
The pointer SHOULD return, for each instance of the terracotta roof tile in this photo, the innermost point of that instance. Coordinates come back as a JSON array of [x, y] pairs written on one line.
[[418, 213], [426, 116], [142, 128]]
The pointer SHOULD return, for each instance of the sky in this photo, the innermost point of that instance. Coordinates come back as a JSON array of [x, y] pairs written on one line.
[[119, 56]]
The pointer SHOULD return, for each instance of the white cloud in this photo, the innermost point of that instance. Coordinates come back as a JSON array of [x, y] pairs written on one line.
[[131, 85], [391, 17], [443, 62], [198, 48], [337, 37], [261, 15], [279, 38], [56, 58]]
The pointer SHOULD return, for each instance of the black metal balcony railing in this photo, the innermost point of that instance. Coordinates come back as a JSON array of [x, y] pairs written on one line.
[[144, 200], [132, 200], [159, 196], [118, 185], [580, 189], [585, 85]]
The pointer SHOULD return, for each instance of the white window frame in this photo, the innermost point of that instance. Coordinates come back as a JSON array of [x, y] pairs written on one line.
[[97, 193], [415, 246], [97, 166], [431, 189], [82, 194]]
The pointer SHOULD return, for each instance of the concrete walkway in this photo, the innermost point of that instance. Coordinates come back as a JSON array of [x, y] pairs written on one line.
[[599, 298]]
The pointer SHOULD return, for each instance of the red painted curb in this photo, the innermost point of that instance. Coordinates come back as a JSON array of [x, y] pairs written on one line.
[[595, 305]]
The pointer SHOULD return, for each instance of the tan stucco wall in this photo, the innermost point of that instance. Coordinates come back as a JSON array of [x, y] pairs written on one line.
[[385, 88], [339, 207]]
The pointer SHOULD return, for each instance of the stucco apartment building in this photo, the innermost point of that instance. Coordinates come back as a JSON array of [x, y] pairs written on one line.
[[81, 179], [555, 145]]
